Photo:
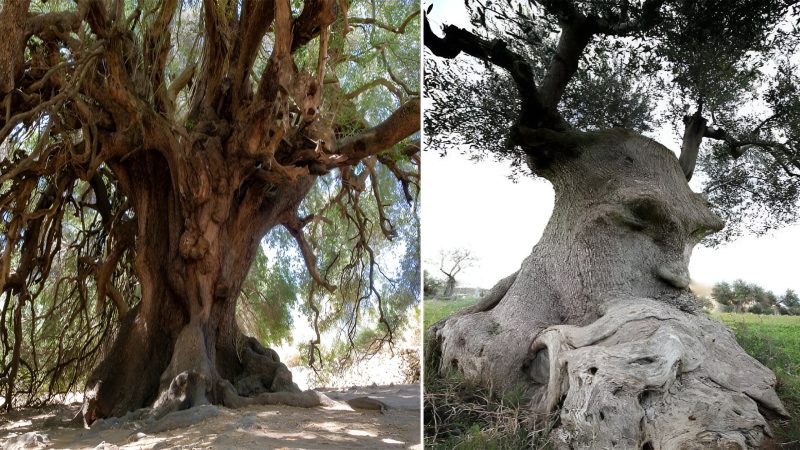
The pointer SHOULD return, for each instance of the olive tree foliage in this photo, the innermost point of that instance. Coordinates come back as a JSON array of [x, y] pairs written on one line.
[[723, 74], [232, 114], [741, 296]]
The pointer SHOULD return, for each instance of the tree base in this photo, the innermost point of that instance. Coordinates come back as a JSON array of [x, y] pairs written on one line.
[[645, 375], [237, 375], [648, 375]]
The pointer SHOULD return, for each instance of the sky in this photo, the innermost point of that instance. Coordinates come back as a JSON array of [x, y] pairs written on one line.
[[500, 221]]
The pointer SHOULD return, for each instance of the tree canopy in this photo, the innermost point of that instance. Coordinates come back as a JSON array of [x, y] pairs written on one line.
[[722, 74], [235, 114]]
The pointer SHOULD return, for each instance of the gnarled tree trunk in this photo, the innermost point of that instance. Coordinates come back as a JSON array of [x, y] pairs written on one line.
[[598, 324], [191, 168], [181, 347]]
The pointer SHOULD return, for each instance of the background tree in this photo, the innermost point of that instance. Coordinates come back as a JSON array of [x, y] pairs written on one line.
[[147, 147], [723, 294], [451, 262], [432, 286], [741, 296], [790, 303], [575, 328]]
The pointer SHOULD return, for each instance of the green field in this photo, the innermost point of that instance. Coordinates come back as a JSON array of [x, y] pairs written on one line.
[[773, 340], [436, 310], [781, 331]]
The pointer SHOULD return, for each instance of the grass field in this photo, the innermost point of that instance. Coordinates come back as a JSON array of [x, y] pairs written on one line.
[[773, 340], [436, 310]]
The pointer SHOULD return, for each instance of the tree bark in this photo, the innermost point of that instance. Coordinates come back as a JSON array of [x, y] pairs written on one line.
[[195, 182], [598, 324], [180, 346]]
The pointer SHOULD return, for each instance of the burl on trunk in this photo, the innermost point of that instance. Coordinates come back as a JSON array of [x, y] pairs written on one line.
[[598, 325]]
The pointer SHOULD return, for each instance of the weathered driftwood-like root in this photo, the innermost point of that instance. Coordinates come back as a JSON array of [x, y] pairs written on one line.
[[647, 375], [368, 403]]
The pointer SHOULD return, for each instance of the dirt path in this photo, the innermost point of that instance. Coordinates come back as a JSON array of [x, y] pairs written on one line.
[[256, 427]]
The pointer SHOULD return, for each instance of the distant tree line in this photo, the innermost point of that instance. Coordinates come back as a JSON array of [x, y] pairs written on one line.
[[741, 296]]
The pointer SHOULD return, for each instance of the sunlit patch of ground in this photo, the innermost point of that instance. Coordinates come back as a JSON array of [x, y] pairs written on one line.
[[255, 427]]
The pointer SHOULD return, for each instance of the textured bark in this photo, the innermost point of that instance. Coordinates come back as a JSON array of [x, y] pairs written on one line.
[[181, 343], [12, 24], [189, 170], [599, 325]]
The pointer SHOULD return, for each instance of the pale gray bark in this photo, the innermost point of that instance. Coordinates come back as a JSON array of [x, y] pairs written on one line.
[[609, 281]]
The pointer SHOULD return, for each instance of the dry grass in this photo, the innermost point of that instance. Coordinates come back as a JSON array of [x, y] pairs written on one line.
[[462, 416]]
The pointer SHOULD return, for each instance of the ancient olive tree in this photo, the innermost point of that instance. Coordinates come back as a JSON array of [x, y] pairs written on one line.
[[598, 327], [145, 150]]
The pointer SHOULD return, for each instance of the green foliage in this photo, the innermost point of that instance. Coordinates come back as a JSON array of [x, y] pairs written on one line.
[[708, 305], [752, 193], [436, 310], [790, 302], [740, 296], [474, 111], [607, 94], [714, 48], [341, 355], [432, 286], [378, 274], [269, 294], [775, 342], [62, 309]]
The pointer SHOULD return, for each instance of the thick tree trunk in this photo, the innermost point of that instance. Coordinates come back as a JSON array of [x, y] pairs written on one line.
[[180, 346], [599, 324]]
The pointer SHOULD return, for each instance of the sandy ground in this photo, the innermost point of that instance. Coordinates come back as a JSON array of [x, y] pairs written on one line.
[[255, 427]]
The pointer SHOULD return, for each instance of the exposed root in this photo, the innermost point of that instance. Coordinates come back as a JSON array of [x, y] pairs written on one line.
[[304, 399], [367, 403], [646, 375], [182, 419], [263, 371]]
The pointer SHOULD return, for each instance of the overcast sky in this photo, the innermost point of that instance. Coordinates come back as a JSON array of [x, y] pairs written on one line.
[[475, 206]]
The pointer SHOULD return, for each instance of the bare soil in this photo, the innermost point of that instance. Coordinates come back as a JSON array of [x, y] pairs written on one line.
[[255, 427]]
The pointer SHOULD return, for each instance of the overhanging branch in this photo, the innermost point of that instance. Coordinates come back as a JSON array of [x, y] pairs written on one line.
[[296, 230], [388, 27], [404, 122], [534, 112]]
